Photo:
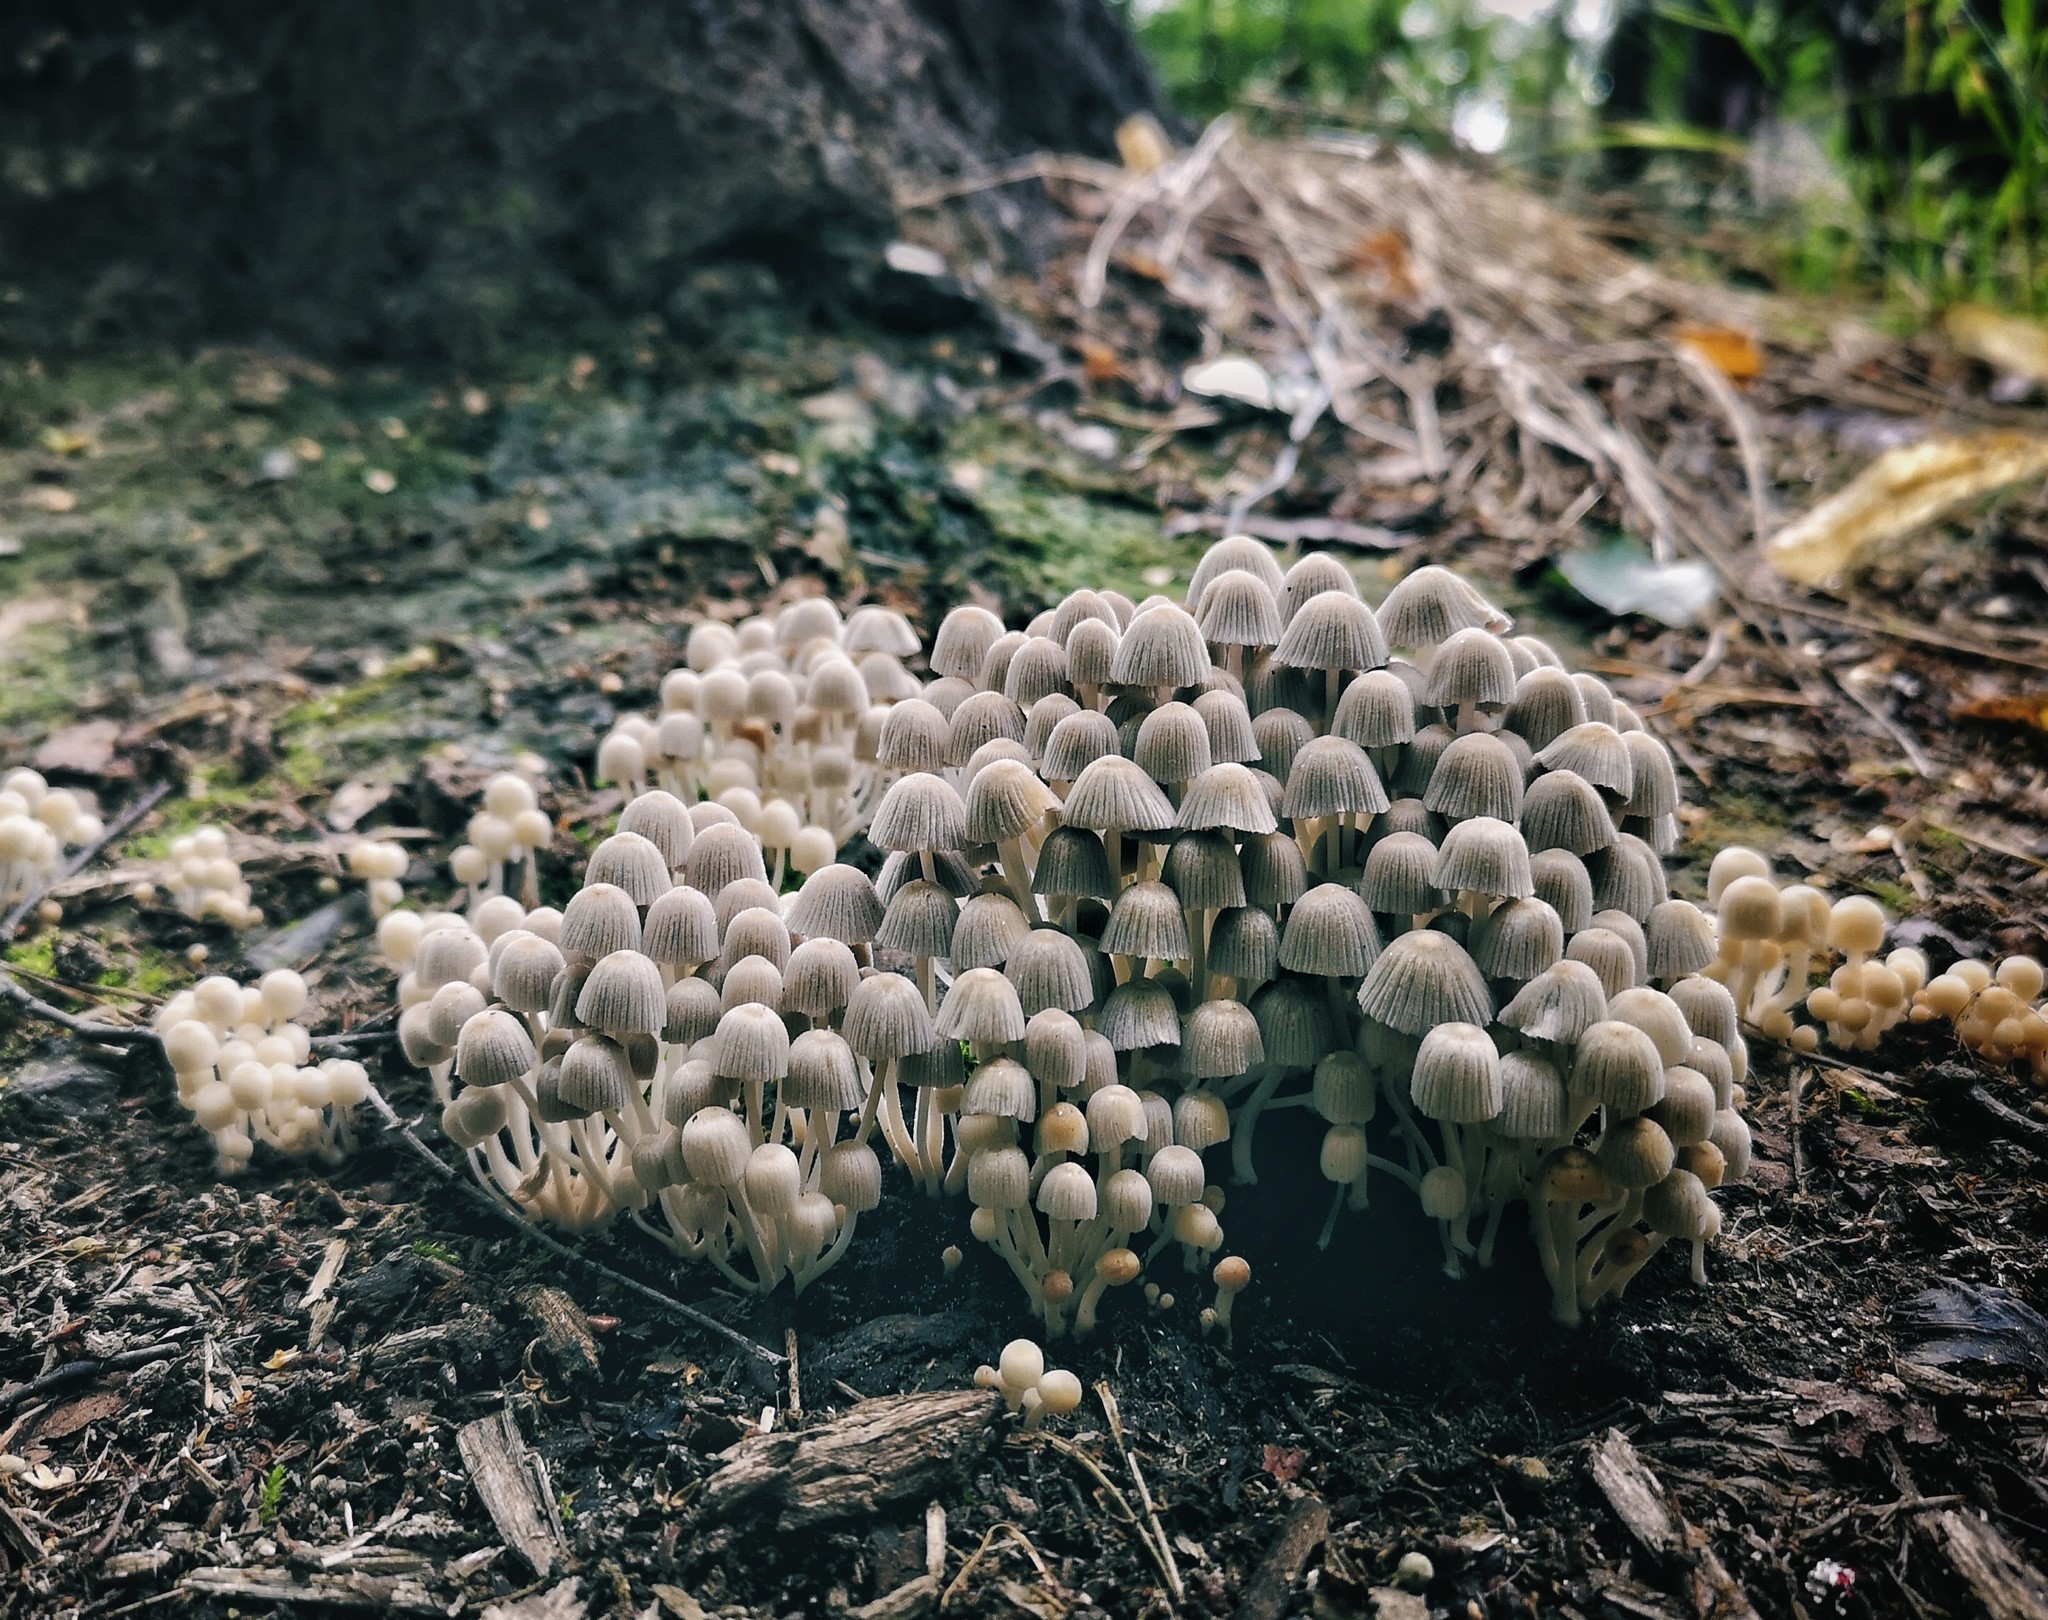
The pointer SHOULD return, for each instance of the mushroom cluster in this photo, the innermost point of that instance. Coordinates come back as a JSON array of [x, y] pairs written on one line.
[[1997, 1011], [1028, 1385], [205, 880], [244, 1070], [1772, 941], [506, 835], [37, 824], [380, 863]]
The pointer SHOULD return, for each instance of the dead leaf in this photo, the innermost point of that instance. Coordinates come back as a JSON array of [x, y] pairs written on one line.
[[1098, 361], [1900, 493], [1867, 1145], [2009, 343], [1384, 254], [1734, 354], [2016, 711], [86, 749], [1865, 1414], [1284, 1462], [87, 1409], [355, 800]]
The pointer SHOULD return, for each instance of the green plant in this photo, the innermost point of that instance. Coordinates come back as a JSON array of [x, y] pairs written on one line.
[[272, 1498]]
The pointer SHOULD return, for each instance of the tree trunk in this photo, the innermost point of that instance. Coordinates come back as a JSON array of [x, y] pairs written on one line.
[[388, 175]]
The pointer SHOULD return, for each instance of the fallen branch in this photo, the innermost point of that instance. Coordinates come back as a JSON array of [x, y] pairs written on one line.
[[71, 1372]]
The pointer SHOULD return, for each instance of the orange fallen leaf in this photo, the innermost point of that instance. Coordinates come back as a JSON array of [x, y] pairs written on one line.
[[1098, 361], [1385, 254], [1284, 1462], [1734, 354], [2016, 711]]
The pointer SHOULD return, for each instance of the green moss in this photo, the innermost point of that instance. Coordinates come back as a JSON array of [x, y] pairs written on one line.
[[37, 954], [1050, 542]]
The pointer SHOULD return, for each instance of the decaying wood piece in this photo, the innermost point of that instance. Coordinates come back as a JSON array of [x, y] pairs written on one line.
[[1299, 1536], [1641, 1503], [875, 1455], [513, 1484], [912, 1600], [382, 1594], [2007, 1585], [564, 1329]]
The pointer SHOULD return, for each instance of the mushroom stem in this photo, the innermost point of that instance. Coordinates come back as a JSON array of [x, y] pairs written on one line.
[[1245, 1127]]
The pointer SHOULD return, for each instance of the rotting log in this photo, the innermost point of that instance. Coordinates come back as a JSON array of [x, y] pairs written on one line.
[[1641, 1503], [2007, 1585], [879, 1454]]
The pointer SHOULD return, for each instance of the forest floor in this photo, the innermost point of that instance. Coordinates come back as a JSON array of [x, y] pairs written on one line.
[[317, 600]]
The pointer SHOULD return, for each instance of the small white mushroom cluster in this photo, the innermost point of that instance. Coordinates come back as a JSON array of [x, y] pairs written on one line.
[[507, 834], [775, 719], [1028, 1385], [206, 881], [37, 824], [1997, 1011], [380, 863], [1774, 939], [244, 1069]]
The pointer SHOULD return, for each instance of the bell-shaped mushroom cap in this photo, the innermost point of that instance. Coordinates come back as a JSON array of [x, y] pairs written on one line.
[[1042, 717], [1238, 609], [986, 930], [1075, 608], [886, 1018], [1313, 573], [1636, 1153], [1629, 931], [1596, 752], [1113, 794], [1281, 733], [1067, 1193], [984, 717], [1421, 980], [1612, 958], [964, 638], [1273, 871], [472, 1119], [1559, 1004], [1376, 711], [493, 1048], [755, 931], [1598, 700], [1562, 881], [1680, 938], [1056, 1047], [1175, 1174], [600, 918], [995, 664], [851, 1176], [664, 821], [1173, 744], [1234, 551], [920, 921], [748, 894], [1294, 1022], [1655, 792], [936, 1069], [999, 1178], [1457, 1075], [920, 812], [1419, 758], [1484, 856], [446, 955], [1091, 653], [1138, 1014], [1477, 775], [1616, 1065], [722, 856], [1244, 944], [1532, 1099], [1072, 862], [681, 928], [914, 737], [1200, 1120], [523, 976], [1220, 1041], [1730, 1133], [1344, 1091], [1708, 1007], [822, 1073], [1004, 1088], [1562, 810], [1729, 864], [1116, 1115], [1750, 909], [1400, 875], [1062, 1128], [1126, 1204], [1658, 1016], [593, 1076], [1433, 604], [1679, 1207], [1270, 684], [1330, 933], [1331, 776], [1517, 940], [1547, 703], [1229, 725], [873, 628], [751, 979], [1038, 669], [751, 1045], [1627, 877], [1332, 631], [1472, 667], [693, 1010], [836, 902], [1077, 742], [820, 978], [1147, 921], [1686, 1110], [1161, 647], [1225, 796], [1203, 870], [716, 1147], [981, 1007], [1050, 969], [623, 996]]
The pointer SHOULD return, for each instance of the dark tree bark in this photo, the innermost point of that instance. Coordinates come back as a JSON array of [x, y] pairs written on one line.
[[392, 174]]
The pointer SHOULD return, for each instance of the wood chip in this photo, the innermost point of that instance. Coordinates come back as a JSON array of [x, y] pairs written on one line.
[[1270, 1588], [2007, 1585], [871, 1457], [563, 1601], [1641, 1503], [910, 1601], [564, 1329], [513, 1485], [265, 1585]]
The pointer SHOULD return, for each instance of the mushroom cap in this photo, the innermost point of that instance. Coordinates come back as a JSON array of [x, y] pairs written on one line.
[[693, 1010], [1116, 1115], [1038, 669], [593, 1076], [1562, 810], [1311, 574], [1630, 932], [1294, 1022], [963, 640], [1654, 793], [850, 1175], [1472, 666], [1075, 743], [1708, 1006], [1172, 744], [523, 975], [681, 928], [1636, 1153], [1050, 969], [1431, 605], [1377, 710], [1067, 1194], [1004, 1088], [1234, 551], [1244, 944], [981, 1007], [1140, 1013], [1457, 1075], [837, 902], [919, 812], [995, 663], [1091, 652], [1113, 794], [1687, 1108], [444, 956], [1204, 871], [1423, 979], [755, 931], [1343, 1154], [1657, 1016], [1225, 796], [1518, 940], [1563, 882], [1229, 724], [1559, 1004], [914, 737], [1076, 607], [886, 1018], [1344, 1091], [982, 718], [1161, 646], [1200, 1120], [1147, 921], [1729, 864], [1238, 609], [1487, 856], [716, 1147], [822, 1073], [1274, 872], [1477, 775], [1220, 1041], [1419, 756], [921, 920], [1176, 1175], [1331, 630], [1616, 1065], [1611, 958], [1547, 703], [1600, 704], [1126, 1196], [1281, 732], [1532, 1107], [664, 821], [1331, 776], [1042, 717], [999, 1178], [494, 1047], [1628, 877], [1680, 1207], [751, 1045], [1730, 1134], [1595, 751], [623, 996], [752, 979], [1399, 875], [1056, 1047], [1329, 932]]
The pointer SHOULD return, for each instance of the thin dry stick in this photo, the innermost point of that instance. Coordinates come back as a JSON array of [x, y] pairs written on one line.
[[1714, 383], [987, 1541], [1107, 1396], [86, 856], [562, 1251]]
